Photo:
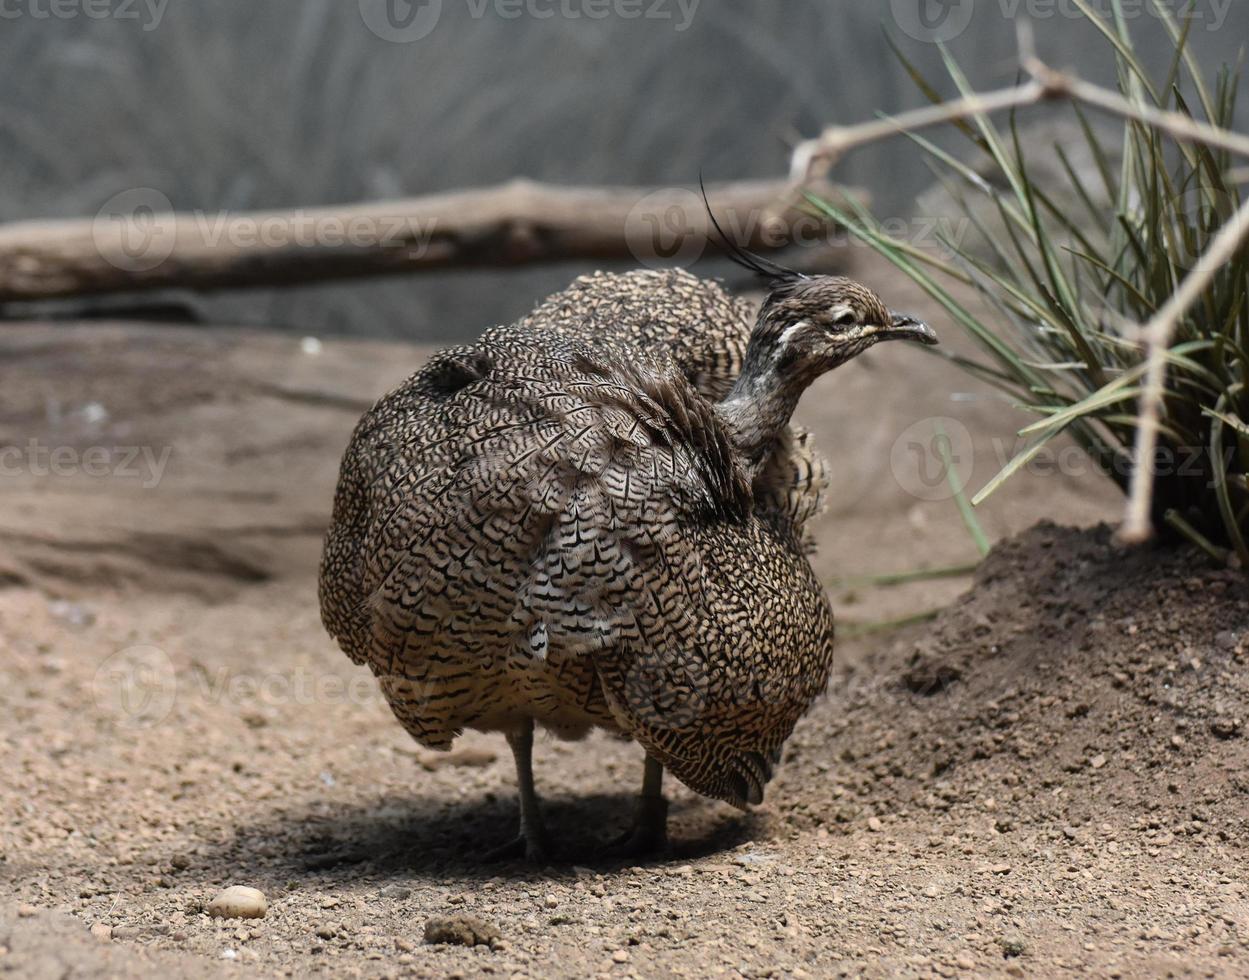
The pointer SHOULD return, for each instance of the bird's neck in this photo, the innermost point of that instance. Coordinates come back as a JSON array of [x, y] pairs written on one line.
[[758, 407]]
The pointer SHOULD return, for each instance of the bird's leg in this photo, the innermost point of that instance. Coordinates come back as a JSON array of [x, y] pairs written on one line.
[[532, 840], [649, 832]]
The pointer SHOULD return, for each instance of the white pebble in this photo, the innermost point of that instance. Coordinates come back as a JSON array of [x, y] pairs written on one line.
[[239, 902]]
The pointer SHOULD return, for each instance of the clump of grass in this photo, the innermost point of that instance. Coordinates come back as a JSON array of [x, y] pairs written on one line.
[[1069, 287]]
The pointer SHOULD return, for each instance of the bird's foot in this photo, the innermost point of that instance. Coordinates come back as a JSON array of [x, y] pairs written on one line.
[[648, 835], [531, 847]]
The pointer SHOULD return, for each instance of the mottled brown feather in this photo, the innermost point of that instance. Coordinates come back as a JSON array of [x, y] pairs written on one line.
[[552, 523]]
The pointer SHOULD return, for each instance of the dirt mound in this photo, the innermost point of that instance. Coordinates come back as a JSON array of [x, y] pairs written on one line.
[[1074, 677]]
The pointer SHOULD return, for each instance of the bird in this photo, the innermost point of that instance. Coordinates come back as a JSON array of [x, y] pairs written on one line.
[[595, 518]]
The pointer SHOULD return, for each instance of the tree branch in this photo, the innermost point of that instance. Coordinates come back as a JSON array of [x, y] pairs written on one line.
[[139, 243]]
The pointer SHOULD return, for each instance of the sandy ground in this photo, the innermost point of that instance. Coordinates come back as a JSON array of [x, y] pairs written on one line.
[[1048, 779]]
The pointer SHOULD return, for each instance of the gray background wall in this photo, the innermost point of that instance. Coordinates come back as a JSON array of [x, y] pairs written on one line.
[[245, 104]]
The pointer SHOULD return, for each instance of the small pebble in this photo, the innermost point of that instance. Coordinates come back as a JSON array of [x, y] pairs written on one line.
[[102, 932], [874, 825], [239, 902], [461, 930], [71, 613], [1225, 728], [26, 911], [461, 758], [620, 956]]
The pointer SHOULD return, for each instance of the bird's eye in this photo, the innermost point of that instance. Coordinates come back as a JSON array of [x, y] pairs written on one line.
[[845, 318]]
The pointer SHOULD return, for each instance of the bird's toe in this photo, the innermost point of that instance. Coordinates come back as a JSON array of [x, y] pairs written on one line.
[[637, 842], [516, 849], [647, 836]]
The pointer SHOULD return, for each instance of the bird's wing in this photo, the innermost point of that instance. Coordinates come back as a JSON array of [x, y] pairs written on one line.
[[792, 486], [714, 693], [697, 323], [512, 495]]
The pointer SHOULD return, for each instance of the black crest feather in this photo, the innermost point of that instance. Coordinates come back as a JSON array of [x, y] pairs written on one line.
[[777, 275]]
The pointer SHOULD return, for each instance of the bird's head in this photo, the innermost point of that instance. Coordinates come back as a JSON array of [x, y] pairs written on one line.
[[811, 324]]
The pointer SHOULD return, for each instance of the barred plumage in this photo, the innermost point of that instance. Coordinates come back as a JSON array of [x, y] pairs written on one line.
[[592, 517]]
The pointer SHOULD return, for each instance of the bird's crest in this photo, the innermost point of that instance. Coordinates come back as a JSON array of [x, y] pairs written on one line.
[[776, 275]]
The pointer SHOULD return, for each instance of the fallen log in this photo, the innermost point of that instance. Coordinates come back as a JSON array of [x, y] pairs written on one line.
[[138, 242]]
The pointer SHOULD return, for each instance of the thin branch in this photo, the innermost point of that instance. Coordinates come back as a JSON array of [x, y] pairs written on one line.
[[1047, 84], [1175, 124], [1157, 335], [817, 155]]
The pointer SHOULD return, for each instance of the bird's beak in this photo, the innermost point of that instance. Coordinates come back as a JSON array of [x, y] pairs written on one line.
[[906, 327]]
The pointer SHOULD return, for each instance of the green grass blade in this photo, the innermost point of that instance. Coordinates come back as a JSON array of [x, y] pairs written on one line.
[[960, 497]]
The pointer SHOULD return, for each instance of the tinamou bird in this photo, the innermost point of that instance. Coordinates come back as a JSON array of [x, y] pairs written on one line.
[[594, 518]]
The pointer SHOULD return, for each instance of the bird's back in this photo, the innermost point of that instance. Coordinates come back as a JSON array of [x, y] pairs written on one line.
[[701, 327], [705, 331]]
